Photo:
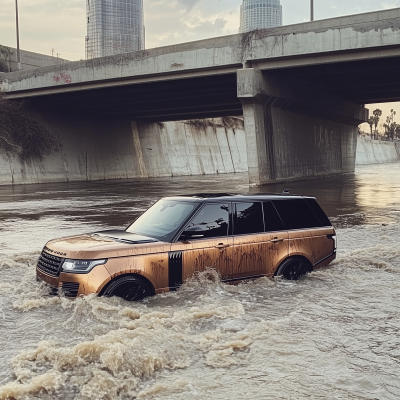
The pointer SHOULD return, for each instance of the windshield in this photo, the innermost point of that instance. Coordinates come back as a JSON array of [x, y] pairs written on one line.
[[163, 219]]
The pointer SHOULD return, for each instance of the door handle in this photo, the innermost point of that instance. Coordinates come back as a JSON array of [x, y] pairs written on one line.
[[276, 240], [222, 246]]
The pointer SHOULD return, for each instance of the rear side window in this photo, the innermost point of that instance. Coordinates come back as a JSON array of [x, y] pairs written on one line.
[[248, 218], [319, 212], [296, 214], [272, 220]]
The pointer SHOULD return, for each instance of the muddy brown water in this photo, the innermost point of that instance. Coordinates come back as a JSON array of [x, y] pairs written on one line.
[[332, 335]]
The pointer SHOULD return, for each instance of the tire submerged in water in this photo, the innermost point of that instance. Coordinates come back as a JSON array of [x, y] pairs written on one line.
[[129, 288], [293, 268]]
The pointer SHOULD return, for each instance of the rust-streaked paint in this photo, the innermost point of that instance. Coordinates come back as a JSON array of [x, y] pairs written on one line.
[[259, 254], [198, 255], [242, 256], [153, 267], [312, 243]]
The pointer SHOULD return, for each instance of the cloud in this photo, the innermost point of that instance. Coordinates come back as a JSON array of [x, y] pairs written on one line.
[[170, 22], [188, 4]]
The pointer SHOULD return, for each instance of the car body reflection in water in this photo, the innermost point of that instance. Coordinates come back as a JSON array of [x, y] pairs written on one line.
[[332, 334]]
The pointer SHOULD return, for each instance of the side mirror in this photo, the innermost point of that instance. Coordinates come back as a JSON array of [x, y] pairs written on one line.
[[193, 232]]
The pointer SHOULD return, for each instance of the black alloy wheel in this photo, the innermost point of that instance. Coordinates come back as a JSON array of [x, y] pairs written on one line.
[[294, 268], [129, 288]]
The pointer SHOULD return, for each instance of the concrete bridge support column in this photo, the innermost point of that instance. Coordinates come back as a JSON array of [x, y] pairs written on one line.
[[259, 158], [294, 131]]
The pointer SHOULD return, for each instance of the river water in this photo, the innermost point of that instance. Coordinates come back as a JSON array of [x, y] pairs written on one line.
[[334, 334]]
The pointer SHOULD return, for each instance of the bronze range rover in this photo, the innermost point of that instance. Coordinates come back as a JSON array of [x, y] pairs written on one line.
[[241, 236]]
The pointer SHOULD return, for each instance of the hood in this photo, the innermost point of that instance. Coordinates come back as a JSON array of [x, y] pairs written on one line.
[[105, 244], [124, 237]]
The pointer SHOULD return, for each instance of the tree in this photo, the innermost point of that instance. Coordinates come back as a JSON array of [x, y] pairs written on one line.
[[371, 123], [377, 115], [393, 115], [392, 130], [21, 132], [397, 130], [5, 59], [387, 126]]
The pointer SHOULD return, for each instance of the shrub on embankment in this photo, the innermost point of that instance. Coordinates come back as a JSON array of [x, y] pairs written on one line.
[[21, 132]]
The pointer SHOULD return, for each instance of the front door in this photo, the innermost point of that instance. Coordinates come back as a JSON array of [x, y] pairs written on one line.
[[208, 242]]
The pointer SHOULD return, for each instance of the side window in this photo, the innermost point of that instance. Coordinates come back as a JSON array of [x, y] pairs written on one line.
[[248, 218], [272, 220], [319, 212], [296, 214], [212, 221]]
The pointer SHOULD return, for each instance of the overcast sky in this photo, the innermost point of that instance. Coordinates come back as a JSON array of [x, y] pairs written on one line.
[[61, 24]]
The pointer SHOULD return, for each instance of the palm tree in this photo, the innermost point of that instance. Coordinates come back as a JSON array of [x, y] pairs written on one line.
[[392, 129], [392, 117], [387, 126], [377, 115], [371, 123], [398, 131]]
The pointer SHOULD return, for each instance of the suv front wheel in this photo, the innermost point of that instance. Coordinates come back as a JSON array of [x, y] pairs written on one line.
[[129, 288], [294, 268]]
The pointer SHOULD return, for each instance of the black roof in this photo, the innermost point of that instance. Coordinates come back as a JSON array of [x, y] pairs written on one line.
[[200, 197]]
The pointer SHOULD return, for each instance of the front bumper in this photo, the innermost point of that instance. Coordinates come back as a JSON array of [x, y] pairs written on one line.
[[75, 285]]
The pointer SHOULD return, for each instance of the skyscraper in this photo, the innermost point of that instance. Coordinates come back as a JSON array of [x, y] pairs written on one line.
[[260, 14], [114, 27]]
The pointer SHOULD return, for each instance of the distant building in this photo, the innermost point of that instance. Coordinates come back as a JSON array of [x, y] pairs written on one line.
[[260, 14], [29, 60], [114, 27]]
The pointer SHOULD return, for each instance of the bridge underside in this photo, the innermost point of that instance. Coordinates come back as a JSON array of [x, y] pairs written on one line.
[[300, 122], [361, 82], [182, 99]]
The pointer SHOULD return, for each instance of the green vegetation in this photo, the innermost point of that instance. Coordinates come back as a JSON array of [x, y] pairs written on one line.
[[21, 133], [391, 127], [5, 58]]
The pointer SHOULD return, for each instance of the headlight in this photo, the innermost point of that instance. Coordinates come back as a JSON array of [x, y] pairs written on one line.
[[81, 266]]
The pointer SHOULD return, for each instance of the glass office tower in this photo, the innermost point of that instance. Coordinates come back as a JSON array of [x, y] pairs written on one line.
[[260, 14], [114, 27]]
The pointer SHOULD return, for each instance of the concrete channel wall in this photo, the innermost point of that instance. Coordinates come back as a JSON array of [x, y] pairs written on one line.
[[376, 152], [122, 150]]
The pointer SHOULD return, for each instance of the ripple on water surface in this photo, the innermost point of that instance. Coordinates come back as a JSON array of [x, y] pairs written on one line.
[[333, 334]]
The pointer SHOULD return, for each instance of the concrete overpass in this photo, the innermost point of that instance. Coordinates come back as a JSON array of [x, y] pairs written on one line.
[[301, 88]]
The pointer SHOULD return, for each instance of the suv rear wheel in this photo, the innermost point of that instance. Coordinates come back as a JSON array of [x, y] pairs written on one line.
[[294, 268], [129, 288]]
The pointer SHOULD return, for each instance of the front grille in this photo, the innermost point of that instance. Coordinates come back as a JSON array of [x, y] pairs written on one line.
[[49, 264], [70, 289]]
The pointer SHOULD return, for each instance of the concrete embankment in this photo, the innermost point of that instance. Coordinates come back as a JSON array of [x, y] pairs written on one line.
[[376, 152], [123, 150]]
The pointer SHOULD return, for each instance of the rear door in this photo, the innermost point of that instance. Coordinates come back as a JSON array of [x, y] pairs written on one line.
[[212, 246], [306, 236], [260, 239]]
